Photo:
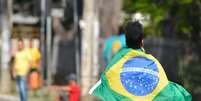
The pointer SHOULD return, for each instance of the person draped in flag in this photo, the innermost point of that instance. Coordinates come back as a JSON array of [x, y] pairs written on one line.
[[133, 75]]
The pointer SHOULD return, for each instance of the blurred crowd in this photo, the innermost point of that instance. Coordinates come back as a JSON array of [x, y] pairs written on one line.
[[26, 71], [25, 64]]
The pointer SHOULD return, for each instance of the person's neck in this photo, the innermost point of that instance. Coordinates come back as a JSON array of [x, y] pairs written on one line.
[[141, 49]]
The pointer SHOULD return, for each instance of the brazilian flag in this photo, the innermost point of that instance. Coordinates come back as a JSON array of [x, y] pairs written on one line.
[[133, 75]]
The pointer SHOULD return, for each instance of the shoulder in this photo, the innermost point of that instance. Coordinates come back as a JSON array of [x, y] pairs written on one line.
[[151, 57], [118, 56]]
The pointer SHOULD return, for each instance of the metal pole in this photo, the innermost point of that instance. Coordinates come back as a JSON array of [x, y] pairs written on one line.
[[75, 14], [49, 56], [42, 38]]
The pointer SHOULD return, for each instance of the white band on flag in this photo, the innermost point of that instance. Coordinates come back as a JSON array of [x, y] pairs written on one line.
[[94, 87], [143, 70]]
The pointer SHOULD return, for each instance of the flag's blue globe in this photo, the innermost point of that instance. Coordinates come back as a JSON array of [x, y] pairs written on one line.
[[139, 76]]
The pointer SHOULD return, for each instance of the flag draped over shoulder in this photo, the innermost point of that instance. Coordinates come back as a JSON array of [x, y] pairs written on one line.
[[136, 76]]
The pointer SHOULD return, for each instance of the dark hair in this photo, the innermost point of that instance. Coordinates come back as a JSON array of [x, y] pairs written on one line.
[[134, 34], [71, 77], [121, 30]]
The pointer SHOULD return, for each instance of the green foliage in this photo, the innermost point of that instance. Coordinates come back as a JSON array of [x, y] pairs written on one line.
[[192, 75], [126, 20], [182, 12], [186, 1]]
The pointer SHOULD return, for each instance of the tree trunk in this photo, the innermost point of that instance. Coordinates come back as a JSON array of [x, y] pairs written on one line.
[[110, 15], [5, 51], [89, 59]]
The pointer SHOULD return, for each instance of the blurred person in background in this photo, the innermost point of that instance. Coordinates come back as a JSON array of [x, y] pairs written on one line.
[[34, 73], [113, 44], [69, 92], [21, 68], [73, 88]]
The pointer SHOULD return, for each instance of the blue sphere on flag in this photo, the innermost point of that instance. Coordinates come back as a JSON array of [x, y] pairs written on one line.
[[139, 76]]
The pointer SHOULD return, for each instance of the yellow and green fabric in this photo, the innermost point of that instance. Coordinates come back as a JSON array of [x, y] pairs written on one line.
[[133, 75]]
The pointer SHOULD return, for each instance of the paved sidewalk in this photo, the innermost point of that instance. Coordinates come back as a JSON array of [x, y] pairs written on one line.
[[8, 98]]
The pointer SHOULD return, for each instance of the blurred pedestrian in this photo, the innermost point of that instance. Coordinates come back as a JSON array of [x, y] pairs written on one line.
[[34, 73], [71, 91], [21, 68], [73, 88], [134, 75], [113, 44]]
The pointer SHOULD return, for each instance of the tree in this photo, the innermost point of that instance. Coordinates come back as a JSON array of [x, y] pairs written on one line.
[[184, 16], [109, 12], [5, 49]]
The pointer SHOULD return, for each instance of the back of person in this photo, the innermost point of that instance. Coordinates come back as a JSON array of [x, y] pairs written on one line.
[[133, 75]]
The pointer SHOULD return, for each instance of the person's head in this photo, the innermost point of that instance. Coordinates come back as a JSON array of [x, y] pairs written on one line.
[[134, 35], [20, 44], [71, 79]]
